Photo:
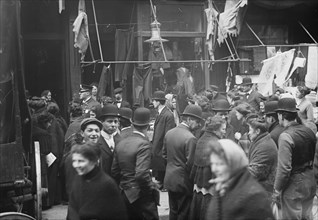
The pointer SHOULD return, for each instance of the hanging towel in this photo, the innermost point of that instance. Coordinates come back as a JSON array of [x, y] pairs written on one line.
[[105, 86]]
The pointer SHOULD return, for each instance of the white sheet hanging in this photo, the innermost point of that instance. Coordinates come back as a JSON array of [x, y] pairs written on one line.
[[311, 79]]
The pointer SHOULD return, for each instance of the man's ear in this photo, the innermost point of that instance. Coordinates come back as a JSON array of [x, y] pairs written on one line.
[[82, 133], [258, 131]]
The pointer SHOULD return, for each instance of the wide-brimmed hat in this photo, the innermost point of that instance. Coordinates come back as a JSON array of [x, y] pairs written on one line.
[[109, 110], [193, 111], [125, 113], [88, 121], [118, 90], [221, 105], [270, 107], [247, 81], [286, 105], [159, 95], [141, 117]]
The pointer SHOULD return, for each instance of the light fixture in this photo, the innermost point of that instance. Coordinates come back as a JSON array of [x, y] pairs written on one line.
[[155, 33]]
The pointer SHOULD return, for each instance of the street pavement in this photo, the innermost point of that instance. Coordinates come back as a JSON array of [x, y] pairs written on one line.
[[58, 212]]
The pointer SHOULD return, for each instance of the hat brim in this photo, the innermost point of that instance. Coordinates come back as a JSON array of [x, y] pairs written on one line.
[[159, 99], [285, 110], [270, 113], [246, 84], [99, 124], [124, 117], [108, 115], [192, 115], [139, 124], [220, 110]]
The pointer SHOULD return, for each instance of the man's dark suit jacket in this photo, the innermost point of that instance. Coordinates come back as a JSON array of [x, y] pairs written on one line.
[[106, 153], [163, 123], [179, 149], [254, 99]]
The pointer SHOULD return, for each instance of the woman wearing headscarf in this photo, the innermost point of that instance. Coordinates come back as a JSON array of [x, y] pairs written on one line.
[[215, 128], [237, 195], [94, 194]]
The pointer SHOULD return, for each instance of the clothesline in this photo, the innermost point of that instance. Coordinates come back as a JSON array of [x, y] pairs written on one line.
[[168, 61], [280, 45]]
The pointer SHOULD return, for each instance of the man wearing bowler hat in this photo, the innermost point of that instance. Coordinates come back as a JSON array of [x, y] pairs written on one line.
[[118, 92], [109, 135], [214, 94], [163, 123], [251, 96], [271, 119], [294, 185], [222, 109], [86, 97], [178, 150], [125, 122], [131, 169]]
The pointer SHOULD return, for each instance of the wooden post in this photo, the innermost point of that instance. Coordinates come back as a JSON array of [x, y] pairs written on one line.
[[38, 201]]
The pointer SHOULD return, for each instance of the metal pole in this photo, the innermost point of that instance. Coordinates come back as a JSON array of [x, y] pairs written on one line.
[[249, 27], [307, 32], [97, 32]]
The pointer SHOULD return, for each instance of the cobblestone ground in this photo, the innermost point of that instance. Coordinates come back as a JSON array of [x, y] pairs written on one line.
[[59, 212]]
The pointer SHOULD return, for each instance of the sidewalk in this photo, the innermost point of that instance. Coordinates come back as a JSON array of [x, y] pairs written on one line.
[[59, 212]]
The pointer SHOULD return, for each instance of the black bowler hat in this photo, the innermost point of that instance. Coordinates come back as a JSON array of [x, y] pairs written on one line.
[[286, 105], [193, 111], [88, 121], [270, 107], [109, 110], [118, 90], [159, 95], [125, 113], [247, 81], [221, 105], [141, 117], [85, 88]]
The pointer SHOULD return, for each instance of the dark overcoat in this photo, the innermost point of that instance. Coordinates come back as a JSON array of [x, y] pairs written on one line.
[[244, 199], [262, 158], [163, 123], [179, 148], [95, 196], [275, 130]]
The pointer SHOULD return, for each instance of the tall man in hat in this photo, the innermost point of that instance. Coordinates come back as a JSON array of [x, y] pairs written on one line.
[[251, 96], [163, 123], [109, 135], [294, 185], [178, 150], [271, 119], [131, 169], [118, 92], [87, 101]]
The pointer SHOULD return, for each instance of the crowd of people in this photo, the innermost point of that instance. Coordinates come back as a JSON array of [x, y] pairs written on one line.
[[234, 155]]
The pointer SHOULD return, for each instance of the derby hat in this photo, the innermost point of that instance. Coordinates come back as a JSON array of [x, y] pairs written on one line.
[[270, 107], [247, 81], [193, 111], [118, 90], [141, 117], [221, 105], [159, 95], [125, 113], [109, 110], [286, 105], [88, 121]]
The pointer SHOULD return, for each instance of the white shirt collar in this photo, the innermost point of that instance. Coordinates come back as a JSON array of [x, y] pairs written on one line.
[[106, 135], [185, 124], [138, 132], [160, 108]]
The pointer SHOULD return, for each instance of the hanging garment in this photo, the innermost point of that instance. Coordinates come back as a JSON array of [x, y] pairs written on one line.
[[185, 82], [142, 84], [230, 21], [211, 16], [278, 66], [105, 85], [124, 46], [311, 79], [80, 29]]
